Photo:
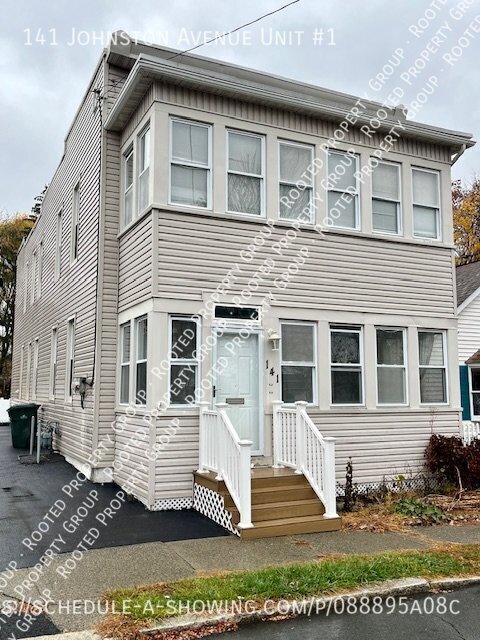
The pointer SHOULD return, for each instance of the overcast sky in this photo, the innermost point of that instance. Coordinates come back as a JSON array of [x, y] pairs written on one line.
[[48, 50]]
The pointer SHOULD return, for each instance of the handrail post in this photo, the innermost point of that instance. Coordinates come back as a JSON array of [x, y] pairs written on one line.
[[217, 443], [277, 433], [245, 484], [300, 437], [202, 439], [329, 478]]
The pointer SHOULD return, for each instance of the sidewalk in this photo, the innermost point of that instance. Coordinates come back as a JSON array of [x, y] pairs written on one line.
[[101, 570]]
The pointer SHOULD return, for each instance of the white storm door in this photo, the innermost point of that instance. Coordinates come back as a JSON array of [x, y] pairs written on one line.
[[237, 383]]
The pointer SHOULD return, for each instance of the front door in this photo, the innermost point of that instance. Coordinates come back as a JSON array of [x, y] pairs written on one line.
[[237, 383]]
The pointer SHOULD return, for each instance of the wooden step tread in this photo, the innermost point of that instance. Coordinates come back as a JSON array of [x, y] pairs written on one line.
[[291, 526]]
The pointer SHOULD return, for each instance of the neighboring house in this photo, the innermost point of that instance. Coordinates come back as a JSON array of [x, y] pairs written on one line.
[[178, 260], [468, 308]]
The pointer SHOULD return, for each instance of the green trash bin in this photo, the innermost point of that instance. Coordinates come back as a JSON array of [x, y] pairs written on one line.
[[20, 423]]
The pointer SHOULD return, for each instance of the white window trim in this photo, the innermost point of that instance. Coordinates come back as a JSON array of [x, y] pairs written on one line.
[[75, 219], [146, 129], [297, 363], [129, 152], [474, 417], [356, 195], [40, 270], [361, 365], [444, 367], [293, 185], [33, 277], [137, 360], [398, 202], [58, 245], [237, 322], [122, 363], [36, 345], [261, 177], [185, 361], [26, 276], [22, 365], [438, 217], [70, 356], [393, 366], [53, 362], [193, 165], [29, 371]]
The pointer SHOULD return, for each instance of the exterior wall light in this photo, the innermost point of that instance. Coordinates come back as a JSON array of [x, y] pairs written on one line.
[[274, 340]]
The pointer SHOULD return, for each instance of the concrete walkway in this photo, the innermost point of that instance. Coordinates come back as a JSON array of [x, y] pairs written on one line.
[[100, 570]]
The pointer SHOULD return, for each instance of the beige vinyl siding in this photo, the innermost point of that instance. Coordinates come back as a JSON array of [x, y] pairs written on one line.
[[135, 264], [469, 330], [177, 458], [342, 272], [131, 467]]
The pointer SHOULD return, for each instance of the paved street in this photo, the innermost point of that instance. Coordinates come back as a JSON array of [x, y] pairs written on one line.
[[414, 625]]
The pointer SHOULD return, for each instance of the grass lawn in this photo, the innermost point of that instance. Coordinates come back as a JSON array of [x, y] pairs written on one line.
[[325, 577]]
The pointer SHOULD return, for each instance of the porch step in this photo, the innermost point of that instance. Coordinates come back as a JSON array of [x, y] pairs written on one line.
[[278, 510], [291, 526]]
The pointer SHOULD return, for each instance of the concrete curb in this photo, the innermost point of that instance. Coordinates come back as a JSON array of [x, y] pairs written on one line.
[[403, 587]]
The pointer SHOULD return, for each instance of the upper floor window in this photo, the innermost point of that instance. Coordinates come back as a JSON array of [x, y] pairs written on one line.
[[386, 216], [190, 164], [184, 360], [433, 374], [426, 203], [141, 334], [58, 247], [53, 361], [39, 270], [391, 370], [35, 369], [128, 172], [25, 285], [125, 331], [70, 359], [75, 216], [34, 276], [346, 354], [298, 362], [296, 182], [245, 173], [343, 190], [143, 169]]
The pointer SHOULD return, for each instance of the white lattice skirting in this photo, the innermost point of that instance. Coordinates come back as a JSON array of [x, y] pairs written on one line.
[[212, 505], [172, 503]]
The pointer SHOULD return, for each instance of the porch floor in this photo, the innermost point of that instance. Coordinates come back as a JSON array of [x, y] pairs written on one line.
[[283, 503]]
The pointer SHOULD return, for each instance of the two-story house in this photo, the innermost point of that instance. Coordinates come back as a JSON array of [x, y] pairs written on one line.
[[233, 269]]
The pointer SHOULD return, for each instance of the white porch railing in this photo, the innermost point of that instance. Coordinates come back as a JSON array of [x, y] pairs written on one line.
[[297, 443], [224, 453], [470, 431]]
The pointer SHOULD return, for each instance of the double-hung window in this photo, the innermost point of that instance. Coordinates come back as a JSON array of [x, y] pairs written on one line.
[[426, 203], [141, 335], [35, 369], [386, 212], [432, 360], [184, 360], [53, 361], [58, 247], [22, 379], [33, 275], [40, 270], [143, 169], [128, 176], [346, 357], [391, 371], [298, 346], [75, 218], [245, 173], [296, 182], [29, 371], [343, 190], [125, 354], [474, 373], [70, 361], [190, 164]]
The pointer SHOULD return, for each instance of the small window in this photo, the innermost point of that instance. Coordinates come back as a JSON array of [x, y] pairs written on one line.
[[433, 378], [190, 164], [125, 356], [391, 372], [184, 360], [75, 218], [298, 362], [35, 369], [346, 365], [475, 392], [128, 170], [245, 174], [70, 360], [296, 182], [33, 276], [143, 169], [386, 198], [236, 313], [343, 191], [141, 336], [426, 204], [58, 247], [53, 362]]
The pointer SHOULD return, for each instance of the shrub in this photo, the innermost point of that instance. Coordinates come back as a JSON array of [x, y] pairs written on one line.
[[448, 456]]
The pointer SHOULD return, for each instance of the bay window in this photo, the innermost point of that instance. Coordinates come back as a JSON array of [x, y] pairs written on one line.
[[298, 362], [432, 361], [245, 173], [343, 190], [391, 371], [346, 362], [386, 198], [141, 334], [143, 169], [184, 360], [426, 203], [128, 172], [125, 332], [190, 164], [295, 182]]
